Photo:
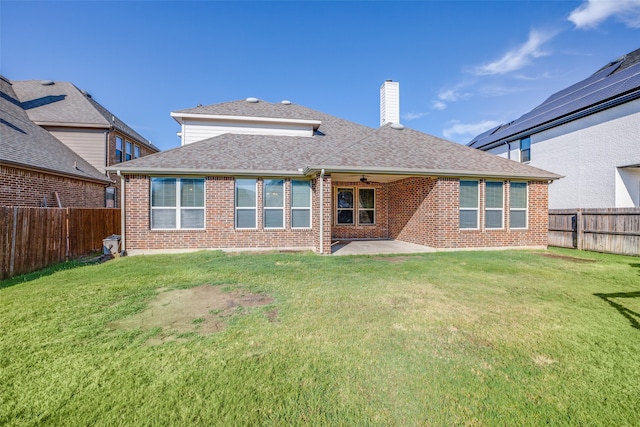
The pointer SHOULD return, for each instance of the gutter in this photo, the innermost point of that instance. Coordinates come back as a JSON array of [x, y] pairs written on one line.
[[560, 121], [453, 173], [122, 215], [208, 172]]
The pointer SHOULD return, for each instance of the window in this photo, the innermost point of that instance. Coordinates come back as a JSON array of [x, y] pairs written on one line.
[[494, 204], [128, 152], [300, 204], [246, 202], [344, 204], [136, 151], [118, 149], [110, 197], [366, 206], [525, 149], [468, 204], [518, 205], [177, 203], [273, 197]]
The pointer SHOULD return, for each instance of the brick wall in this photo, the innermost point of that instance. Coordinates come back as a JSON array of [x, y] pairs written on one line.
[[417, 210], [427, 212], [219, 229], [29, 188]]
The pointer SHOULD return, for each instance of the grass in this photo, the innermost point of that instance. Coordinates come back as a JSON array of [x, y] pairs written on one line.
[[468, 338]]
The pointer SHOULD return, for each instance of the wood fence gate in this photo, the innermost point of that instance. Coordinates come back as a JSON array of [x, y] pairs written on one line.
[[35, 238], [615, 230]]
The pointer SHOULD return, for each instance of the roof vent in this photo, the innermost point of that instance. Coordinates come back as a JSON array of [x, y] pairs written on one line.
[[285, 102], [85, 93], [397, 126], [47, 82], [252, 100]]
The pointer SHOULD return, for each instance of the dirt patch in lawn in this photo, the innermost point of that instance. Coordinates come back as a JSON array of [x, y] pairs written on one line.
[[395, 259], [181, 313], [568, 258]]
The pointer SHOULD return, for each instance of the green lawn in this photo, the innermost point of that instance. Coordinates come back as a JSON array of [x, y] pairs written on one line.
[[469, 338]]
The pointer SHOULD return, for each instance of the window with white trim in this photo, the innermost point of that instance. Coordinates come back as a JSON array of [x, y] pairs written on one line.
[[366, 206], [525, 150], [344, 206], [273, 203], [177, 203], [518, 207], [128, 151], [300, 204], [136, 151], [494, 204], [469, 204], [246, 202], [118, 149]]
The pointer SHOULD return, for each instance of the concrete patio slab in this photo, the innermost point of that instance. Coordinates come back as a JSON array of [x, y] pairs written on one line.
[[377, 247]]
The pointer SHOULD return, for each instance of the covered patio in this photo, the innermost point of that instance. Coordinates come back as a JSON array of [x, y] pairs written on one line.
[[376, 247]]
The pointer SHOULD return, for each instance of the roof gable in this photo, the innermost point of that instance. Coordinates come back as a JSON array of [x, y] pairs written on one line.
[[62, 103], [26, 144], [338, 145]]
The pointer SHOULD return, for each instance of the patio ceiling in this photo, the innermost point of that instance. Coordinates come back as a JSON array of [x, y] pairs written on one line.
[[371, 177]]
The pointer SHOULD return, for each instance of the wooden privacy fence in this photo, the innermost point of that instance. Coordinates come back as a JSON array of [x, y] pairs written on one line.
[[35, 238], [615, 230]]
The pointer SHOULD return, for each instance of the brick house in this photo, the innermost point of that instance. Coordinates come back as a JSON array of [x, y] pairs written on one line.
[[84, 125], [38, 170], [252, 174]]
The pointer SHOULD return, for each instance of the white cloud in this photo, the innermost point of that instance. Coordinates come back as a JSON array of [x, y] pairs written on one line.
[[519, 57], [454, 93], [468, 130], [593, 12], [413, 116], [439, 105]]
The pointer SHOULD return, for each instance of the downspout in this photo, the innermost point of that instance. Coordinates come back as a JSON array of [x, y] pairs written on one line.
[[322, 211], [122, 216]]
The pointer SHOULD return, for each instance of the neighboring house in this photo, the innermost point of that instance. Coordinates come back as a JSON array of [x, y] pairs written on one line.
[[588, 132], [36, 169], [81, 123], [253, 174]]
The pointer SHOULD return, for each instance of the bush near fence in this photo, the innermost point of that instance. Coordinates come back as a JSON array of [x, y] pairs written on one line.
[[35, 238], [614, 230]]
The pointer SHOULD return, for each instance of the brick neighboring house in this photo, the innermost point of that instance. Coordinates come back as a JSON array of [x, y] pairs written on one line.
[[36, 169], [84, 125], [252, 174]]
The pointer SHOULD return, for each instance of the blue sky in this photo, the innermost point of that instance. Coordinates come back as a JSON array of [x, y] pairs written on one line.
[[463, 66]]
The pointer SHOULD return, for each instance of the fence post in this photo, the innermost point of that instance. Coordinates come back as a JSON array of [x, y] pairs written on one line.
[[14, 232], [579, 229], [67, 241]]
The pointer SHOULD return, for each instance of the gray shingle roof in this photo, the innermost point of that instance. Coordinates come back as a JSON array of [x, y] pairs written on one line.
[[613, 84], [338, 145], [26, 144], [255, 109], [63, 102]]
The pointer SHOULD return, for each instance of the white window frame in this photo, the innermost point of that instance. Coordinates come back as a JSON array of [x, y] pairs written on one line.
[[528, 150], [119, 149], [245, 208], [177, 206], [295, 208], [128, 153], [266, 208], [352, 208], [470, 209], [375, 217], [525, 209], [136, 151], [487, 209]]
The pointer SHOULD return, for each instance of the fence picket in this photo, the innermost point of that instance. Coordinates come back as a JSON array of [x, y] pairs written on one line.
[[35, 238]]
